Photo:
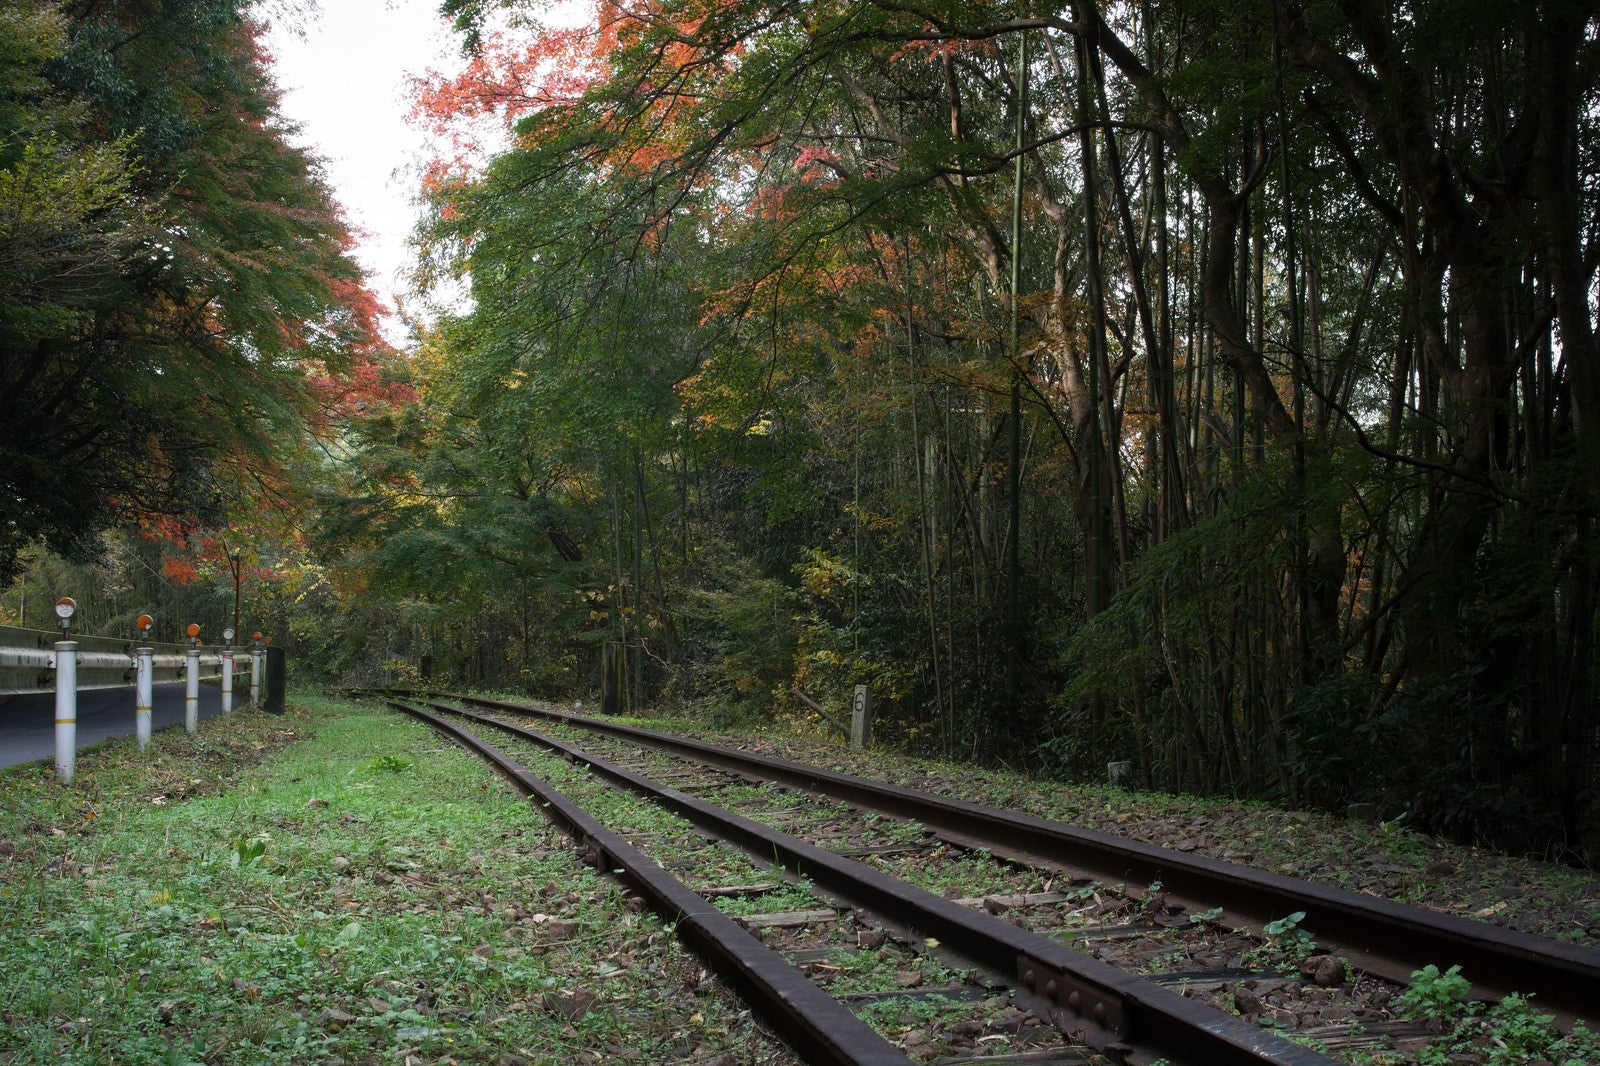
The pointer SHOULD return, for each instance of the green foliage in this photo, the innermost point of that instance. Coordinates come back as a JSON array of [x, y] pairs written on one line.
[[1178, 666], [1512, 1030], [738, 639], [1285, 938], [733, 392], [172, 271], [852, 625], [1433, 994], [1403, 750], [247, 850], [1288, 924], [1519, 1033]]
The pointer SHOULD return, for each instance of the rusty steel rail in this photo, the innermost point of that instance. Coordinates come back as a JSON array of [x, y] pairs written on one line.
[[819, 1027], [1107, 1008], [1382, 937]]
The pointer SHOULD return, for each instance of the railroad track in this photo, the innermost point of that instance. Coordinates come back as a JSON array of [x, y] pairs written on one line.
[[1010, 932]]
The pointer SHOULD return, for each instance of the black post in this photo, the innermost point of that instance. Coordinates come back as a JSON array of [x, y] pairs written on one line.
[[610, 672], [273, 704]]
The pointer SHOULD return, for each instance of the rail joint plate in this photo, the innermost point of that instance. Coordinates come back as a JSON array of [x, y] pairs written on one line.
[[1076, 1004]]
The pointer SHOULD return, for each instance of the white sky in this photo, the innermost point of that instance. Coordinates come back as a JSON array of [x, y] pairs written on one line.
[[344, 82]]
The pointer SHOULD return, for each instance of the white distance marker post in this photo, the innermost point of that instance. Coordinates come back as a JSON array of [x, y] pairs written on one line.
[[144, 682], [191, 681], [66, 693]]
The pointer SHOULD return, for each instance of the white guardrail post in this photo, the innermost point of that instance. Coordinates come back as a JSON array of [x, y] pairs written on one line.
[[227, 671], [144, 684], [66, 665], [258, 652], [66, 709], [191, 690]]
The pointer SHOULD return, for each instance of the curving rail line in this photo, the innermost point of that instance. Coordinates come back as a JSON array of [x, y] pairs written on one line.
[[1107, 1008], [1389, 939]]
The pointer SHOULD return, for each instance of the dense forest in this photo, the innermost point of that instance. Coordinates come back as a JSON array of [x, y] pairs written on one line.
[[1210, 386], [179, 315]]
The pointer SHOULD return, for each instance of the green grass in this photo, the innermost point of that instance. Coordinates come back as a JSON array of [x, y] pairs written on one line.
[[338, 885], [1507, 1033], [785, 896], [885, 969]]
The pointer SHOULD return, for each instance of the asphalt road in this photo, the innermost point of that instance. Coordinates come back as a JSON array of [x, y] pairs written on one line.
[[28, 723]]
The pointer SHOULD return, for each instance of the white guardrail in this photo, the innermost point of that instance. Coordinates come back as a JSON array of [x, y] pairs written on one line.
[[37, 661], [28, 661]]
